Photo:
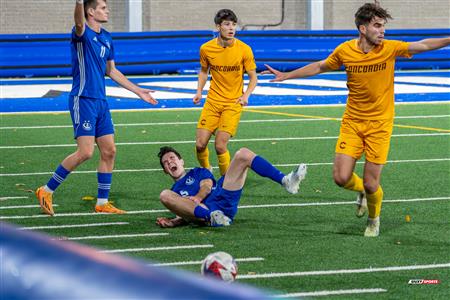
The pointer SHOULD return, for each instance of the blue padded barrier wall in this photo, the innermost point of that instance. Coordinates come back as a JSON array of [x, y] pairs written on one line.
[[35, 267], [178, 51]]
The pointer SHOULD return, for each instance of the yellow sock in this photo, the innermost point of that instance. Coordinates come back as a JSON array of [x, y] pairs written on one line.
[[224, 162], [355, 184], [374, 203], [203, 158]]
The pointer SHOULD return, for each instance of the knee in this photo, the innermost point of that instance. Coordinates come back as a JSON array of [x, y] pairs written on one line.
[[165, 197], [244, 155], [221, 147], [109, 153], [85, 154], [340, 178], [370, 186], [200, 146]]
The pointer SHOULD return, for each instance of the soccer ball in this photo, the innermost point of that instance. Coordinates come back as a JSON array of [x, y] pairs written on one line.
[[220, 265]]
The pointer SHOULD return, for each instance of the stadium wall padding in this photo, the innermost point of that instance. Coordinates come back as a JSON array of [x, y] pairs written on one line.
[[33, 266], [171, 52]]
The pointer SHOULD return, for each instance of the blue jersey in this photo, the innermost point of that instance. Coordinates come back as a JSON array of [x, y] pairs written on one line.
[[90, 52], [189, 185]]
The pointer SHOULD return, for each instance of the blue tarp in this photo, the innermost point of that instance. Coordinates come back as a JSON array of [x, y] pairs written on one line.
[[30, 55]]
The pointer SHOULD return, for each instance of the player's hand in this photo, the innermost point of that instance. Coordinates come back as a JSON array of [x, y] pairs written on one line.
[[243, 100], [197, 98], [195, 199], [279, 76], [144, 94], [164, 222]]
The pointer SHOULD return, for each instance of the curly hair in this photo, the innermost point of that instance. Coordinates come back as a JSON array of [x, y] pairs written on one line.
[[368, 11]]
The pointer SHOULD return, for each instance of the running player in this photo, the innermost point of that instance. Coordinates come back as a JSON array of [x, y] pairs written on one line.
[[367, 123], [92, 57], [226, 58], [196, 197]]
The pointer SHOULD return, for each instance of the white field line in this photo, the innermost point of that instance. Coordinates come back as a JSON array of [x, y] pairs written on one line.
[[275, 205], [345, 271], [195, 122], [12, 198], [73, 226], [158, 248], [22, 206], [199, 262], [271, 139], [117, 236], [329, 293], [82, 214], [276, 165]]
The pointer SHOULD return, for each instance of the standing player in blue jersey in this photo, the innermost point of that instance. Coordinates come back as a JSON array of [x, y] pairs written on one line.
[[92, 58], [196, 197]]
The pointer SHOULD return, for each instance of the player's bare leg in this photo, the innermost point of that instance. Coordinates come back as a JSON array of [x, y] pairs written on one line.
[[201, 145]]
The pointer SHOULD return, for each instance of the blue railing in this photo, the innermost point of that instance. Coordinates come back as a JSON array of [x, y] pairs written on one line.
[[178, 51]]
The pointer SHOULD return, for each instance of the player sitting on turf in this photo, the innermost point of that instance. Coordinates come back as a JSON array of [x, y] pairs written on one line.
[[196, 197]]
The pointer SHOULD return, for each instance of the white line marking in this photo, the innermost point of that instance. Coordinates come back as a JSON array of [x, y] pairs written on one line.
[[73, 226], [12, 198], [118, 236], [276, 165], [135, 212], [233, 140], [348, 271], [328, 293], [195, 122], [22, 206], [199, 262], [158, 248]]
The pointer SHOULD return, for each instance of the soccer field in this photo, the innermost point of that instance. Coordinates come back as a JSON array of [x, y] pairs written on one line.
[[293, 245]]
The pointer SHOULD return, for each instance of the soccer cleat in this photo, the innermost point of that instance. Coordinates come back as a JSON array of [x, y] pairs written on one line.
[[292, 181], [361, 204], [108, 208], [373, 227], [218, 219], [45, 200]]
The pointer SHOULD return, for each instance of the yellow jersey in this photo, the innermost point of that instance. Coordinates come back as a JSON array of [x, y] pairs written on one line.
[[227, 66], [370, 77]]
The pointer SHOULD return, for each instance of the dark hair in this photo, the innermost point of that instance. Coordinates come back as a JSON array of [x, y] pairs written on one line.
[[225, 15], [368, 11], [164, 150], [89, 4]]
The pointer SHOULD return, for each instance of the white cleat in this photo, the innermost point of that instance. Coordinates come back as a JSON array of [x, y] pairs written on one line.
[[291, 182], [218, 219], [373, 227], [361, 204]]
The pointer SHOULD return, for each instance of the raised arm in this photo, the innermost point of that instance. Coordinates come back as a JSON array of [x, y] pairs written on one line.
[[79, 17], [428, 44], [118, 77], [253, 80], [202, 78], [306, 71]]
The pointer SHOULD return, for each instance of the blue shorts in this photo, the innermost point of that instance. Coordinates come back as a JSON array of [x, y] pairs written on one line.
[[90, 117], [224, 200]]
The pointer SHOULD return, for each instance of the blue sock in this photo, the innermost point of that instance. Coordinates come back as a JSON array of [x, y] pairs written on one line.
[[201, 212], [58, 177], [265, 169], [104, 185]]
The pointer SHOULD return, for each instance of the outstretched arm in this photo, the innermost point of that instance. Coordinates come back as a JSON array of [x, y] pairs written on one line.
[[428, 44], [253, 80], [118, 77], [79, 17], [202, 78], [306, 71]]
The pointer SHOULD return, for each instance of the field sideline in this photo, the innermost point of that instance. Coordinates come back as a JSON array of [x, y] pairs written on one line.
[[309, 244]]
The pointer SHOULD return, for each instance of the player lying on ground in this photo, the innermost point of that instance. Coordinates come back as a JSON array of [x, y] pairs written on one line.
[[196, 197]]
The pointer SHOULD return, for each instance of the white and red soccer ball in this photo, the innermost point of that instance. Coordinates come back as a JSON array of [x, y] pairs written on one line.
[[220, 265]]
